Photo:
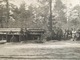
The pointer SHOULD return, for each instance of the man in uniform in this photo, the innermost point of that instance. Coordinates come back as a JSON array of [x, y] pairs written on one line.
[[73, 34]]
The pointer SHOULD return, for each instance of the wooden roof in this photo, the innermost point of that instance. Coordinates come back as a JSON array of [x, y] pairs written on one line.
[[10, 29], [35, 29]]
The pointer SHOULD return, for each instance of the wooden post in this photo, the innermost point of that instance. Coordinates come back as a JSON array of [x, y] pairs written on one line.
[[6, 37], [19, 38]]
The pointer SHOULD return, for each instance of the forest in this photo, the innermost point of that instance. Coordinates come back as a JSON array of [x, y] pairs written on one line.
[[31, 16]]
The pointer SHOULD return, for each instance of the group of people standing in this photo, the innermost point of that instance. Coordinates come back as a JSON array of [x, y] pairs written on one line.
[[67, 34], [73, 34]]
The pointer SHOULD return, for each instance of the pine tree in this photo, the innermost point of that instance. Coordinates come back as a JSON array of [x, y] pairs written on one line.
[[59, 8]]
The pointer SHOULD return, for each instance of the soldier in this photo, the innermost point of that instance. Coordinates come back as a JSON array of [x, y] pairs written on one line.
[[77, 34], [73, 34], [69, 34], [21, 35], [59, 33]]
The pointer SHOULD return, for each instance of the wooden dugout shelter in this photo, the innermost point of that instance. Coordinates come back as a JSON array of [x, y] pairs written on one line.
[[9, 33], [18, 34]]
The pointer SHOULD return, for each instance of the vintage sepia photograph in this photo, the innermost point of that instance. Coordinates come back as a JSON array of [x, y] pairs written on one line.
[[39, 29]]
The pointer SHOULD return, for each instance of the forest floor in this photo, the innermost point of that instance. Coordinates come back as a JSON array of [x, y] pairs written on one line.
[[51, 50]]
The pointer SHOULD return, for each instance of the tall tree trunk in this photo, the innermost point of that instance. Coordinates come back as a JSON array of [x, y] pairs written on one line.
[[7, 9], [50, 18]]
